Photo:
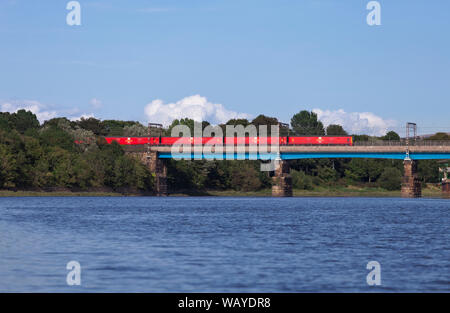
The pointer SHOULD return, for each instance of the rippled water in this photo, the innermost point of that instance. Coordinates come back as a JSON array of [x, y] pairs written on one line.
[[224, 244]]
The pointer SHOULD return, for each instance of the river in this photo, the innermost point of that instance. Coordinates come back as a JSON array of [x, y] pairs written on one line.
[[212, 244]]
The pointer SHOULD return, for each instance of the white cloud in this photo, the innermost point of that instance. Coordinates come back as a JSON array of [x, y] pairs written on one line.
[[195, 107], [35, 107], [41, 111], [77, 118], [356, 122], [95, 103]]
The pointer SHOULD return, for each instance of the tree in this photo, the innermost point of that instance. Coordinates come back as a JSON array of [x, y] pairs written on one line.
[[189, 123], [327, 174], [116, 128], [136, 130], [307, 123], [187, 174], [61, 167], [24, 120], [238, 121], [123, 173], [60, 122], [439, 136], [428, 171], [390, 179], [364, 170], [301, 181], [92, 124], [54, 136], [262, 120], [218, 176], [5, 121], [391, 136], [245, 177], [336, 130], [360, 138], [47, 157], [85, 139], [8, 167]]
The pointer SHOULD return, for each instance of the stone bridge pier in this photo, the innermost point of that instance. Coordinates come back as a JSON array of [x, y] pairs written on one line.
[[159, 168], [282, 180], [445, 178], [446, 189], [411, 186]]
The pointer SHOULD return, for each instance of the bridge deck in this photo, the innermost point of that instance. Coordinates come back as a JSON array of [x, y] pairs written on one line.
[[305, 152], [326, 149]]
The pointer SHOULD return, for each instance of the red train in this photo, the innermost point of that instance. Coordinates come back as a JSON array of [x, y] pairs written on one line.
[[169, 141]]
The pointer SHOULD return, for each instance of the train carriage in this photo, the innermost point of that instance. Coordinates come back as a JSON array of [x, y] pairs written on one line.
[[321, 140], [169, 141]]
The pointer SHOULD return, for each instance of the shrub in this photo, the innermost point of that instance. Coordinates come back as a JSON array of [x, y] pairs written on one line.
[[390, 179], [301, 181]]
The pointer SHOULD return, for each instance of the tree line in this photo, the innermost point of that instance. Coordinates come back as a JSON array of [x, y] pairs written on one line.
[[74, 154], [46, 156]]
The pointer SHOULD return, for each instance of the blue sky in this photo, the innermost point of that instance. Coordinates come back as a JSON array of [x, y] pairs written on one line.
[[250, 56]]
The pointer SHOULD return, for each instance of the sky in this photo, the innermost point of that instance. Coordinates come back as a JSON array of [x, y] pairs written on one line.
[[153, 61]]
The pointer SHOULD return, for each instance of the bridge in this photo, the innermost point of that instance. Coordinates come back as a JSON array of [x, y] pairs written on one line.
[[438, 151], [410, 153]]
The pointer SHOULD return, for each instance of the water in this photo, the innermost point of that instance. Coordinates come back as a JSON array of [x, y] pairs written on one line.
[[224, 244]]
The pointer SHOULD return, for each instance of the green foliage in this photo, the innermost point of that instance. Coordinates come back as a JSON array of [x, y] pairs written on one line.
[[336, 130], [309, 166], [94, 125], [219, 175], [239, 121], [34, 156], [262, 120], [326, 174], [116, 128], [5, 121], [301, 181], [216, 175], [392, 136], [390, 179], [439, 136], [428, 171], [364, 170], [190, 123], [8, 167], [306, 123], [47, 156], [21, 121], [60, 122], [135, 130], [357, 138], [245, 177], [54, 136], [187, 174], [85, 139]]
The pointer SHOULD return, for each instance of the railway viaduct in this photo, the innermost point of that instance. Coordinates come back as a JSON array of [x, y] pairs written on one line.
[[155, 156]]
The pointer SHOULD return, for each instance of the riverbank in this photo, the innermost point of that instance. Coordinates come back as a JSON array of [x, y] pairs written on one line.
[[431, 191], [20, 193], [349, 191]]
